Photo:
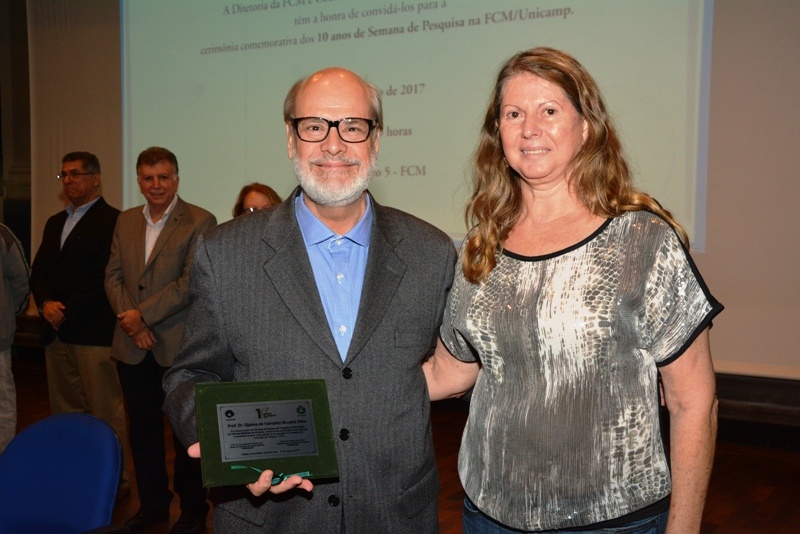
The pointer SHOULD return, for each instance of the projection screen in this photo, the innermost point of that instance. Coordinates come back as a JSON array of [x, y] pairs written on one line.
[[207, 80]]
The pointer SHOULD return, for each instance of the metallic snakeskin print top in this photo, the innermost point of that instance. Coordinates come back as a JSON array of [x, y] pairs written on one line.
[[563, 427]]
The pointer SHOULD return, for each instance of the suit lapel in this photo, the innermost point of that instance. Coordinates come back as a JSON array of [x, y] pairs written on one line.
[[385, 270], [290, 271], [138, 238], [85, 222], [59, 225]]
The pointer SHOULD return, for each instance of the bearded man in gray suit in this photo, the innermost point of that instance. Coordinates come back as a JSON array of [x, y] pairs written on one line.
[[328, 284]]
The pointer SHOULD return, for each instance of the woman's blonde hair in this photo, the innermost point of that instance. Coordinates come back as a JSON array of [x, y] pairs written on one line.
[[599, 173]]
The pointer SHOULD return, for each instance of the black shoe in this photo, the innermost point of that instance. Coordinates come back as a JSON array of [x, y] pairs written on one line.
[[145, 519], [191, 521]]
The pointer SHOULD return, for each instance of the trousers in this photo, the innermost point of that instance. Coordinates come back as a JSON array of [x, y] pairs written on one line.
[[145, 396], [476, 522], [84, 378]]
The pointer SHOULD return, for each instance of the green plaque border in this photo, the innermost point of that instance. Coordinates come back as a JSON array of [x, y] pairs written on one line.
[[219, 473]]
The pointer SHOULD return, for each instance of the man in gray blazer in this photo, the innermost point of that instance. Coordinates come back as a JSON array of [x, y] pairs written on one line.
[[146, 281], [328, 284]]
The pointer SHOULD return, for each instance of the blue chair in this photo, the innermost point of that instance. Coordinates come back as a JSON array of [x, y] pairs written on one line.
[[60, 475]]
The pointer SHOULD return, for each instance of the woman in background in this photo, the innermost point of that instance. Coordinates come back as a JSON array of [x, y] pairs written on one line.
[[254, 197], [576, 289]]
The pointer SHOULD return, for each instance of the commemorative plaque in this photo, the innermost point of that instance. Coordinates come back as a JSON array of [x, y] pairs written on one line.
[[248, 427]]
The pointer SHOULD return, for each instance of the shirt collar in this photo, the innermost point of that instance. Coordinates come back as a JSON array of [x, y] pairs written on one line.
[[315, 232], [165, 217], [81, 209]]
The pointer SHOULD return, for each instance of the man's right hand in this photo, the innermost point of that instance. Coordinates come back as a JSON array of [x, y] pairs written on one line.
[[144, 339], [264, 482]]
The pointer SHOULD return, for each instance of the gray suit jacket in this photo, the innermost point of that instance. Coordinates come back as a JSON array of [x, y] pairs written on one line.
[[158, 289], [256, 314]]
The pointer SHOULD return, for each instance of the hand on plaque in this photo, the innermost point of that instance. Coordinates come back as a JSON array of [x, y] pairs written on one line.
[[266, 479]]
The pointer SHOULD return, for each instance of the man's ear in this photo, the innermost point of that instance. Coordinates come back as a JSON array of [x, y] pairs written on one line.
[[289, 140], [376, 139]]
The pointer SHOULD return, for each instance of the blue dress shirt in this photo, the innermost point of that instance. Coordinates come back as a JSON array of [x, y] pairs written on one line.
[[73, 216], [338, 263]]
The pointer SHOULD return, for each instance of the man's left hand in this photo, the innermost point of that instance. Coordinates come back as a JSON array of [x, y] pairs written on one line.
[[131, 322]]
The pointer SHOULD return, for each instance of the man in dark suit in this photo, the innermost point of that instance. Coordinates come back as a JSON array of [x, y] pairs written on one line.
[[147, 282], [67, 284], [329, 284]]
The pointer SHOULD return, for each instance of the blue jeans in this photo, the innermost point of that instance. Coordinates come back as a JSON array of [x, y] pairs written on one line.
[[476, 522]]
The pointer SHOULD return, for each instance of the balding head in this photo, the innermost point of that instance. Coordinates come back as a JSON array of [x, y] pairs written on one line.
[[335, 77]]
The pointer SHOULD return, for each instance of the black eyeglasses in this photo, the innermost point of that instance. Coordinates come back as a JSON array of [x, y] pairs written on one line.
[[72, 174], [316, 129]]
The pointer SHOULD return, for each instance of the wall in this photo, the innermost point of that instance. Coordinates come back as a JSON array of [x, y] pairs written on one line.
[[752, 258], [73, 45]]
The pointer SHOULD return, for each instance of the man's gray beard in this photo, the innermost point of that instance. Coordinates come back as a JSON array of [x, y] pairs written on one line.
[[324, 192]]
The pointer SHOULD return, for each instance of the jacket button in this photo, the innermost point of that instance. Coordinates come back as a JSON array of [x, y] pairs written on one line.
[[344, 434], [141, 288], [347, 373], [333, 500]]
